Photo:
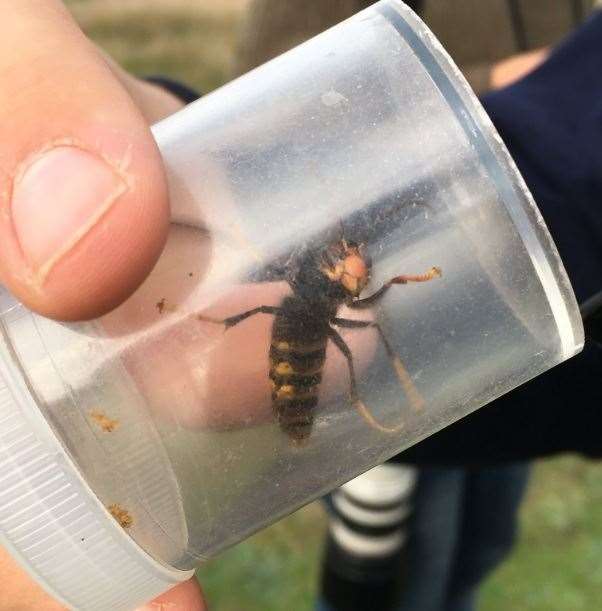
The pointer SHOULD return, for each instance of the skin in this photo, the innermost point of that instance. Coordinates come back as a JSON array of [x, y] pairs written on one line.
[[42, 57], [510, 70]]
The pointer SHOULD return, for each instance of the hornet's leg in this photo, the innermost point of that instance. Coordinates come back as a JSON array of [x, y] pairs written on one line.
[[360, 304], [234, 320], [339, 342], [415, 398]]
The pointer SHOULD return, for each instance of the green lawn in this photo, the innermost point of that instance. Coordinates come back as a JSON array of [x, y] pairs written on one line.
[[556, 566], [558, 562]]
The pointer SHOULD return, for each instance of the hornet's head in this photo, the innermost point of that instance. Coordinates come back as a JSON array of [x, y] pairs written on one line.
[[348, 265]]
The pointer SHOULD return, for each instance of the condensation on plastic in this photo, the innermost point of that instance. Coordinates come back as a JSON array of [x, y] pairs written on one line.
[[367, 130]]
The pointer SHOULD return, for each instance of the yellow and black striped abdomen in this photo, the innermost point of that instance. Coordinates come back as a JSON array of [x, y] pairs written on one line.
[[297, 356]]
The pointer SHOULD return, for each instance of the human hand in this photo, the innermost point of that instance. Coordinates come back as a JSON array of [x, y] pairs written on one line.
[[512, 69], [83, 199]]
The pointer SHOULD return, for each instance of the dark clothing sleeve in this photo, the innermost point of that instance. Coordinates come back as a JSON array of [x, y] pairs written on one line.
[[180, 90], [552, 123]]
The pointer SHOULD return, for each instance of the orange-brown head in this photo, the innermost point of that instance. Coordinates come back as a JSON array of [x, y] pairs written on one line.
[[347, 265]]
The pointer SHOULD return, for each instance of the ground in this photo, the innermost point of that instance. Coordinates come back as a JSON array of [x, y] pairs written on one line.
[[557, 565]]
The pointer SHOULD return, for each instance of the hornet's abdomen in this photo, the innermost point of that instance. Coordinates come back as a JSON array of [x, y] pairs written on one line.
[[297, 355]]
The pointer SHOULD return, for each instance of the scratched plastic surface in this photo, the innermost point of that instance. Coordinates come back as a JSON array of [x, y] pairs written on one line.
[[366, 131]]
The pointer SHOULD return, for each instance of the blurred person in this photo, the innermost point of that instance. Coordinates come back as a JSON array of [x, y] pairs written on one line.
[[494, 42], [448, 528], [551, 120], [418, 538]]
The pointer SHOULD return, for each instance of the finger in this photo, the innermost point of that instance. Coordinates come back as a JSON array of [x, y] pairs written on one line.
[[199, 375], [194, 372], [17, 585], [83, 203], [19, 590], [185, 597]]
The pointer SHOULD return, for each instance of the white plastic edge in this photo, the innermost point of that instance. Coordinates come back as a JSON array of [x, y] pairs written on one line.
[[52, 522], [552, 277]]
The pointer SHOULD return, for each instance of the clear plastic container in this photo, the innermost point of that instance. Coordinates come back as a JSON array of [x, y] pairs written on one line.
[[362, 150]]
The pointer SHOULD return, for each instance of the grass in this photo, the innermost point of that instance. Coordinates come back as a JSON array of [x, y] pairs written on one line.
[[557, 565], [274, 570]]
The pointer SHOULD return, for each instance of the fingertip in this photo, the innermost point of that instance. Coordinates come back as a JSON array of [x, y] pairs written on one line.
[[85, 225]]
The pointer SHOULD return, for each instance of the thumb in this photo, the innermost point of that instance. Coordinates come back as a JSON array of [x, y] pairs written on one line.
[[83, 198]]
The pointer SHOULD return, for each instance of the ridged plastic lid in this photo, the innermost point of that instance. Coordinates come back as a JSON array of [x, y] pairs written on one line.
[[53, 523]]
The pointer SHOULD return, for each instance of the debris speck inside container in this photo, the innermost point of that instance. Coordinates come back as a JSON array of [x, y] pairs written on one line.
[[108, 425], [122, 515]]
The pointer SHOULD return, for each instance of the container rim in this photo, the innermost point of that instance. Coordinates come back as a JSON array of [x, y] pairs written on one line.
[[515, 195]]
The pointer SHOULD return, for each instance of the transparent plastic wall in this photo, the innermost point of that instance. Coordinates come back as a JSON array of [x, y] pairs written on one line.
[[360, 151]]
